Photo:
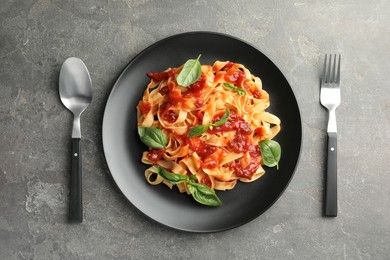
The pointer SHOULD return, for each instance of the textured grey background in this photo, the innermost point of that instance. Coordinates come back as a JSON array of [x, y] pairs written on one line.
[[36, 36]]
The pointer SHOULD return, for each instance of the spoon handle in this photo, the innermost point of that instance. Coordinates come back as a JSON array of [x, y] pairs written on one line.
[[76, 203]]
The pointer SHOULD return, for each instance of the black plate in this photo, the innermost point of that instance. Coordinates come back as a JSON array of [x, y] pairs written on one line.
[[123, 150]]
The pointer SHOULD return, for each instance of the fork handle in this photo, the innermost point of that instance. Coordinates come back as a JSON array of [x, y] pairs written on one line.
[[331, 177]]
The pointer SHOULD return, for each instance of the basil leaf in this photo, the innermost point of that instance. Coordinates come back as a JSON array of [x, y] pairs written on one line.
[[173, 178], [241, 91], [204, 194], [190, 73], [271, 152], [152, 137], [193, 177], [223, 119], [197, 130], [231, 87], [200, 129]]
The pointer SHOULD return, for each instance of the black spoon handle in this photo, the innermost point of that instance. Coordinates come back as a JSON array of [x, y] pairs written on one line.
[[331, 177], [76, 203]]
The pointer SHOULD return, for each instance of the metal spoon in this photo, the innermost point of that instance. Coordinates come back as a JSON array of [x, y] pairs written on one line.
[[76, 94]]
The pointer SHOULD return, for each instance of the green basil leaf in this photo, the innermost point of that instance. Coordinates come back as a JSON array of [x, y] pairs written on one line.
[[231, 87], [271, 152], [223, 119], [204, 194], [193, 177], [204, 188], [190, 73], [241, 91], [152, 137], [173, 178], [197, 130], [210, 125]]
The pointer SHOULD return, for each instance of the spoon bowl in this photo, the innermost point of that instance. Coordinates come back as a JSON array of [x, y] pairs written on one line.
[[75, 85], [75, 90]]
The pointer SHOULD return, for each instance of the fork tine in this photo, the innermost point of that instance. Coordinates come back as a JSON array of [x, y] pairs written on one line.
[[334, 70], [323, 80], [337, 81], [329, 74]]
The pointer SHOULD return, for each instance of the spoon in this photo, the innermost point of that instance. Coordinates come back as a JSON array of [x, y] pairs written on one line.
[[76, 94]]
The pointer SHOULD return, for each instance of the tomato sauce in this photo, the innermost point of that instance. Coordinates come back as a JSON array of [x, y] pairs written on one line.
[[199, 115], [251, 168], [144, 107], [195, 89], [257, 94], [155, 155], [164, 91], [203, 150], [175, 99], [200, 147], [260, 131], [240, 144], [199, 103], [228, 65], [235, 122], [163, 75], [210, 164], [206, 180], [174, 95], [168, 114], [235, 76], [218, 77]]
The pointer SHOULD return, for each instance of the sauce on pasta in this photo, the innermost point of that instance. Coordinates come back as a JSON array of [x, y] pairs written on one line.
[[223, 154]]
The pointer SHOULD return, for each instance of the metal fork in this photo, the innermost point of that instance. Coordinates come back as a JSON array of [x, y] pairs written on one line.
[[330, 99]]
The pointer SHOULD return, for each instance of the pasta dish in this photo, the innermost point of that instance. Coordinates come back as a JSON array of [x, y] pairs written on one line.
[[204, 125]]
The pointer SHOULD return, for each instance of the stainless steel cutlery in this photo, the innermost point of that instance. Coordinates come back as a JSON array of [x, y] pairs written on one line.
[[330, 99]]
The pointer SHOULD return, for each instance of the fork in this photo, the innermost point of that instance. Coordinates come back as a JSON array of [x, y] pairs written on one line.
[[330, 99]]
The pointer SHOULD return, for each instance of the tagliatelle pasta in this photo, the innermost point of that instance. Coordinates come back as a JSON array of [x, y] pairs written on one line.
[[223, 154]]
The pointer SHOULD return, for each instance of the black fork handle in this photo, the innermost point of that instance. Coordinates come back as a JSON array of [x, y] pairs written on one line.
[[75, 202], [331, 177]]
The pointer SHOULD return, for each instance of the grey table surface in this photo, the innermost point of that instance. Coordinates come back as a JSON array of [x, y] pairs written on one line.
[[36, 36]]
